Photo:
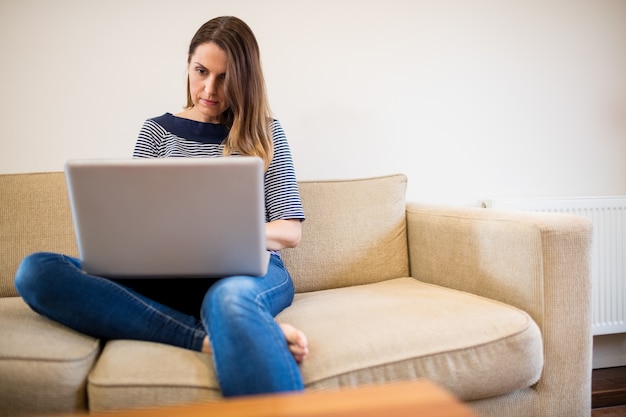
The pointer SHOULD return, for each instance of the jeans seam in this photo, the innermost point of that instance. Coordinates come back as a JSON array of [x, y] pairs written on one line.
[[287, 358]]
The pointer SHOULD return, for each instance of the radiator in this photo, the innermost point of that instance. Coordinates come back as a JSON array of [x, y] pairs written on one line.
[[608, 215]]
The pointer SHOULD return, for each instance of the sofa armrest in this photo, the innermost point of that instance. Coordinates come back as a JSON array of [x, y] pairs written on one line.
[[538, 262]]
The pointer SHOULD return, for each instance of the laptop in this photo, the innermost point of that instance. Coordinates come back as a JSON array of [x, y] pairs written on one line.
[[169, 217]]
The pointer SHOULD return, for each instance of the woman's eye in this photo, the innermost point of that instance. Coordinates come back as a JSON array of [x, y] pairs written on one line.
[[200, 71]]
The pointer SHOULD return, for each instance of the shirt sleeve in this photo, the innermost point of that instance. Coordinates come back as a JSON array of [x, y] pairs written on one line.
[[282, 197], [149, 140]]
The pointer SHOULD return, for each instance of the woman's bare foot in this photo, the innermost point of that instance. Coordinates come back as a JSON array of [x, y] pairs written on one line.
[[296, 341], [206, 346]]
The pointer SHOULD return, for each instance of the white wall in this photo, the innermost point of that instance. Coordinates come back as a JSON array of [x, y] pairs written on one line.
[[469, 98]]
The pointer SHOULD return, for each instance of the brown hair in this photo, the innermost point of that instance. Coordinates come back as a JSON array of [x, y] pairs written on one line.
[[248, 116]]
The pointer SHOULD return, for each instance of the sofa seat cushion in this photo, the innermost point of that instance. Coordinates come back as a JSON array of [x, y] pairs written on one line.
[[389, 331], [43, 365], [133, 374], [404, 329]]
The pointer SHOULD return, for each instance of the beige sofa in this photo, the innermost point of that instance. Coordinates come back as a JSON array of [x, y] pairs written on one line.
[[494, 306]]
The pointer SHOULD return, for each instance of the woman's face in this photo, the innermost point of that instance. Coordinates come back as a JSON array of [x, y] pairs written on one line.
[[207, 71]]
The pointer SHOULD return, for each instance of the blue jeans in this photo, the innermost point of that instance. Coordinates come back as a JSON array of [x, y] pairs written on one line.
[[249, 349]]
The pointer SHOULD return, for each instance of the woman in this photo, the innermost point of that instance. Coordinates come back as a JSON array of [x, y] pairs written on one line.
[[233, 317]]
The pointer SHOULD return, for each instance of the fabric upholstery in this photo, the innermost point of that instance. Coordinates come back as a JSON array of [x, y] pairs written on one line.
[[34, 216], [539, 262], [493, 305], [379, 334], [354, 229], [43, 365], [131, 374], [404, 329]]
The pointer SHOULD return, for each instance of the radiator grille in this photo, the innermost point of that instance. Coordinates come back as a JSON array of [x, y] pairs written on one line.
[[608, 215]]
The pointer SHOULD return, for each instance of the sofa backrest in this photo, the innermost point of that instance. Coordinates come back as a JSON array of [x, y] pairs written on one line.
[[34, 216], [354, 233]]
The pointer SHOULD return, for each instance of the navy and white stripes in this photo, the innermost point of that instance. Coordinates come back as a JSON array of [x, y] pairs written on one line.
[[171, 136]]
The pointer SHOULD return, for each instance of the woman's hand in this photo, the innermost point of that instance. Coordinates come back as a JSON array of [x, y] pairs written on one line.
[[281, 234]]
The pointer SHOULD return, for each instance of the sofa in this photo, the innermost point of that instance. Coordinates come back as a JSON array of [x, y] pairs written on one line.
[[494, 306]]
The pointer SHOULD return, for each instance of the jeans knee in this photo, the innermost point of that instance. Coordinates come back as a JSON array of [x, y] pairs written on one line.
[[30, 281], [230, 299], [25, 274]]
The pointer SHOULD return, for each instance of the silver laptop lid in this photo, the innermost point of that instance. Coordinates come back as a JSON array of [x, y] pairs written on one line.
[[172, 217]]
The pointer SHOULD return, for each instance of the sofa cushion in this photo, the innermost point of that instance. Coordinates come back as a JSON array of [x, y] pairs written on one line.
[[354, 233], [132, 374], [34, 216], [405, 329], [43, 365], [390, 331]]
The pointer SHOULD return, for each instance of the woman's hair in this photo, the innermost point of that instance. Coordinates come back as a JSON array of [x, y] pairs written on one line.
[[248, 116]]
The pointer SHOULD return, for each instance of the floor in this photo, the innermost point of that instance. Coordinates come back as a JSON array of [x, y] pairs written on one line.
[[608, 398], [609, 412]]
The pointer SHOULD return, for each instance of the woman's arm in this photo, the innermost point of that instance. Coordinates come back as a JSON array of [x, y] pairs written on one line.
[[281, 234]]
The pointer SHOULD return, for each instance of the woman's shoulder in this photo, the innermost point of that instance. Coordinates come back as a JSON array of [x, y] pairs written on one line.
[[159, 123], [167, 121], [275, 124], [278, 133], [165, 118]]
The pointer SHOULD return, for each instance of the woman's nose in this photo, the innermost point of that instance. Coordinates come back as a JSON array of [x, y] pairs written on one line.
[[209, 86]]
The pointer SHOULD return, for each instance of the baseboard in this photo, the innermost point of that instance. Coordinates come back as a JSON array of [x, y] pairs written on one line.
[[609, 351]]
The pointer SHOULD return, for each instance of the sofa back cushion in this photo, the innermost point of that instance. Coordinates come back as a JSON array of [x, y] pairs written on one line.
[[34, 216], [354, 233]]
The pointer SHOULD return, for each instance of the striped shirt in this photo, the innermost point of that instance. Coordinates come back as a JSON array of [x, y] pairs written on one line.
[[171, 136]]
